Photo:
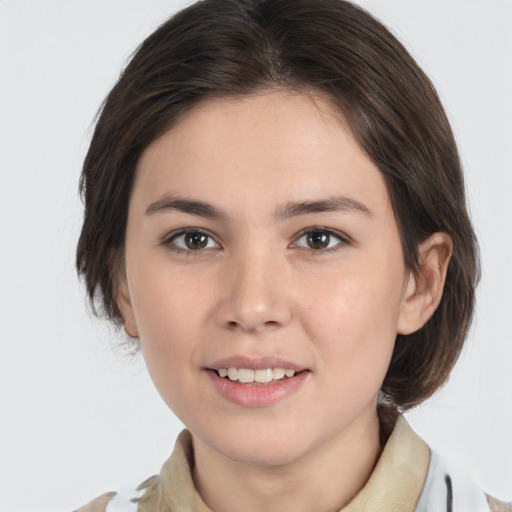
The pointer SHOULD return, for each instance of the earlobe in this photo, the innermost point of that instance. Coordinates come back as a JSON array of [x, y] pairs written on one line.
[[125, 307], [424, 288]]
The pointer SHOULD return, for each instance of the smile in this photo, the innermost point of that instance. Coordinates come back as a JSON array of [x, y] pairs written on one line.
[[249, 376], [262, 387]]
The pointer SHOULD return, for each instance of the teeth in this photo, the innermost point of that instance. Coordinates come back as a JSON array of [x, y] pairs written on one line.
[[278, 373], [245, 375], [248, 376], [263, 376]]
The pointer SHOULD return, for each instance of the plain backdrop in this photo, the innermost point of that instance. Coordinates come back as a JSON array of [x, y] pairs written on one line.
[[78, 418]]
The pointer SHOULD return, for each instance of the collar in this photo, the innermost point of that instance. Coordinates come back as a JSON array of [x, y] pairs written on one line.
[[395, 483], [397, 480]]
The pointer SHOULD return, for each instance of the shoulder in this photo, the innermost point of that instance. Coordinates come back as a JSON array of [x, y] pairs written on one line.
[[99, 504], [448, 487], [497, 505], [123, 502]]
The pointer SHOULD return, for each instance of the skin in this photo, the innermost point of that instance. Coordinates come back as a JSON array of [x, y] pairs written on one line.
[[257, 289]]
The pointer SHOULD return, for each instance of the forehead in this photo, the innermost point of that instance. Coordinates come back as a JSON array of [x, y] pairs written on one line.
[[264, 148]]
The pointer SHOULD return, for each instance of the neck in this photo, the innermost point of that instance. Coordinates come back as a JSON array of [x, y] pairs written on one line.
[[324, 479]]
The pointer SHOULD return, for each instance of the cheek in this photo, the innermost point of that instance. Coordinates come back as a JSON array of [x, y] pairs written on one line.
[[166, 298], [354, 306], [353, 319], [169, 312]]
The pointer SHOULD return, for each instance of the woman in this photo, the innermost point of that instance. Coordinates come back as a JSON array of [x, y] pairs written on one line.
[[274, 208]]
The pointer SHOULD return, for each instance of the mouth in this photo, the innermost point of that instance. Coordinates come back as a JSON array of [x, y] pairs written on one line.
[[257, 381], [262, 377], [257, 387]]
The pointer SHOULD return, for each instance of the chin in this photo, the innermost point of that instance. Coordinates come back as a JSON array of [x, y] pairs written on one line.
[[263, 455], [271, 448]]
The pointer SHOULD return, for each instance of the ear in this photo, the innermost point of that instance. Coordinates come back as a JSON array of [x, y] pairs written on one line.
[[424, 288], [124, 304]]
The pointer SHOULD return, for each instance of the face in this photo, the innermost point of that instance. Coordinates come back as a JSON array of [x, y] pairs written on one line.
[[261, 244]]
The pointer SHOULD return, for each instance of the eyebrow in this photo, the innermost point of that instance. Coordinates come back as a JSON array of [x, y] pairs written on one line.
[[333, 204], [286, 211], [190, 206]]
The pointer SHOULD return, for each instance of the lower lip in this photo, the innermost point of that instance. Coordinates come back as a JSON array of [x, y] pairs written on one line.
[[257, 395]]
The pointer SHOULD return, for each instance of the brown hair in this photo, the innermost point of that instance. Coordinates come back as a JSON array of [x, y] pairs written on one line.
[[219, 48]]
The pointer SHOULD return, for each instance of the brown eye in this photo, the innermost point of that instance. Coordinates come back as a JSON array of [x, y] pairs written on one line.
[[195, 241], [192, 241], [318, 239]]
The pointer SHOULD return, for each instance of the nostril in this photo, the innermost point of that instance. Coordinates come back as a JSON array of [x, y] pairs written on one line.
[[234, 325]]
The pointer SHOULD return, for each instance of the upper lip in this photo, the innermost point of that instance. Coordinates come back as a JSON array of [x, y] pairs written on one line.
[[259, 363]]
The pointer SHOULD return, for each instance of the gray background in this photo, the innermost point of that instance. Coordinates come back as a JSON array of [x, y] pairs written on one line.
[[78, 419]]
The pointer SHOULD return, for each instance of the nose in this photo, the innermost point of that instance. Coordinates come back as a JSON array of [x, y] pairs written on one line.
[[254, 294]]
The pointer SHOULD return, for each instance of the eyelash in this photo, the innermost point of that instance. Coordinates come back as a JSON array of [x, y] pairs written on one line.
[[170, 240], [342, 239]]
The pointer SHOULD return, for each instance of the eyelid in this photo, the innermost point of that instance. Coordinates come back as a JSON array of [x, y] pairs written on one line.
[[344, 239], [168, 239]]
